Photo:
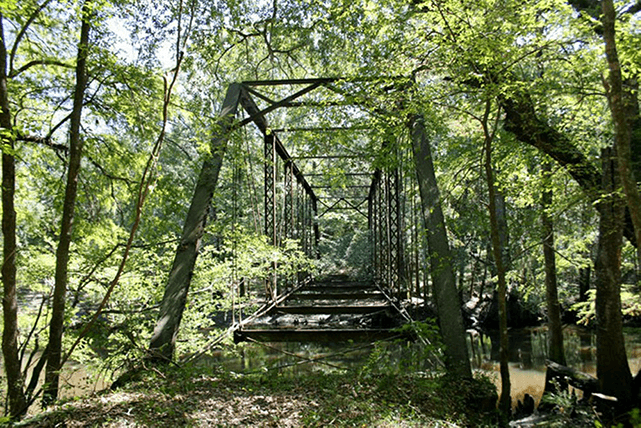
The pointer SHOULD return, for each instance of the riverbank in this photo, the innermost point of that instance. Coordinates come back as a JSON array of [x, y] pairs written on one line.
[[198, 397]]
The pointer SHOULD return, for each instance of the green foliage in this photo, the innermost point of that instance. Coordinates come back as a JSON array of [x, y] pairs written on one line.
[[569, 410], [233, 254], [586, 310], [184, 396], [460, 54], [423, 353]]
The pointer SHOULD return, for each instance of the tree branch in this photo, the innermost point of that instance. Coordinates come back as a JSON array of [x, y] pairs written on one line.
[[14, 73], [21, 34]]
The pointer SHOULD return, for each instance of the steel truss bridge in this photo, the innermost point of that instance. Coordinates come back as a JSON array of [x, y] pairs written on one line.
[[334, 308]]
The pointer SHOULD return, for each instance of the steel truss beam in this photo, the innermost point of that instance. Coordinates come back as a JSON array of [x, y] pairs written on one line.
[[299, 201]]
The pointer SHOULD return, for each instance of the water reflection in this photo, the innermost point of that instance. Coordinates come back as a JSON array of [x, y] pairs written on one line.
[[302, 358], [528, 352], [528, 348]]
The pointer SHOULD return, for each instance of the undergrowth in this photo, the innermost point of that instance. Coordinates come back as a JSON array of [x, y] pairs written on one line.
[[197, 396]]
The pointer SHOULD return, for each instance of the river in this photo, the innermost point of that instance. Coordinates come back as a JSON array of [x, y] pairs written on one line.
[[528, 352]]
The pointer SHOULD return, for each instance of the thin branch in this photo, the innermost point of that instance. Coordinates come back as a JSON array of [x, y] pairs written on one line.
[[35, 62], [22, 32], [33, 329]]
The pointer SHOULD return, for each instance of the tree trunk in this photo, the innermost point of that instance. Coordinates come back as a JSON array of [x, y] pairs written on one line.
[[12, 366], [555, 328], [613, 371], [505, 401], [501, 220], [584, 282], [66, 227], [163, 340], [623, 117], [447, 299]]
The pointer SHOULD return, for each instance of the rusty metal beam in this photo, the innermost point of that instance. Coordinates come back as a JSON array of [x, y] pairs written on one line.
[[316, 335], [329, 157], [291, 81], [261, 122], [324, 129], [346, 174], [258, 117], [330, 309]]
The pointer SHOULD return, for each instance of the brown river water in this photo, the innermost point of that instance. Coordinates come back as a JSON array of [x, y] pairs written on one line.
[[528, 352], [527, 357]]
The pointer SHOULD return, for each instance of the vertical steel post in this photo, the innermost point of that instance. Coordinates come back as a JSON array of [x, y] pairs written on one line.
[[288, 223], [308, 226], [384, 231], [375, 229], [300, 233], [393, 204], [370, 228], [316, 230], [270, 194], [288, 209]]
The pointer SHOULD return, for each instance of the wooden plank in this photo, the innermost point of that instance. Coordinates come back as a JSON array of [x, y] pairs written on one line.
[[353, 284], [330, 309], [339, 289], [338, 296], [313, 335]]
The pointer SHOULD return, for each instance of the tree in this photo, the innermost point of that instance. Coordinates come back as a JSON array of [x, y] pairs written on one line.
[[505, 402], [555, 328], [15, 381], [613, 370], [523, 101], [66, 228], [41, 91]]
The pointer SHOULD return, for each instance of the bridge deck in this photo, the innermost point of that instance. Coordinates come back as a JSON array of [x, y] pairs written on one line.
[[330, 309], [316, 335], [327, 311]]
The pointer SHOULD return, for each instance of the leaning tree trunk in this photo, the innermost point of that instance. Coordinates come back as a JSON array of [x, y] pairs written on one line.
[[12, 366], [56, 325], [613, 370], [555, 328], [447, 298], [163, 341]]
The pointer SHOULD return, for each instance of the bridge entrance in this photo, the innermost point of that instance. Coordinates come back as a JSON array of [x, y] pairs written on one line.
[[338, 180], [335, 158]]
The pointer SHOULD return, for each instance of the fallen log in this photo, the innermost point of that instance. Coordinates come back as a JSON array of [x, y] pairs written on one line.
[[569, 376]]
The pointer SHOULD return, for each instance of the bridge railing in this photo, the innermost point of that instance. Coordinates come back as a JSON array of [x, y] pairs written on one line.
[[290, 204], [385, 220], [290, 210]]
